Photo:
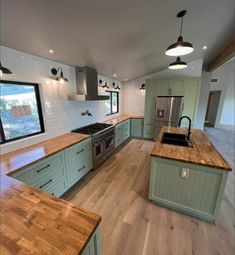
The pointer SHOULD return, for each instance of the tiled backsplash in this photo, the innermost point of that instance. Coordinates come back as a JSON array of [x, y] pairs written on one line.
[[60, 115]]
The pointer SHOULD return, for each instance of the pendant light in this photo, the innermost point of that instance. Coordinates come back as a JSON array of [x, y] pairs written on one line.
[[142, 87], [4, 69], [178, 64], [61, 78], [180, 48]]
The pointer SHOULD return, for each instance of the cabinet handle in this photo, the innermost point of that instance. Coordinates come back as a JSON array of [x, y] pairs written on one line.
[[40, 170], [80, 151], [43, 185], [79, 170], [52, 194]]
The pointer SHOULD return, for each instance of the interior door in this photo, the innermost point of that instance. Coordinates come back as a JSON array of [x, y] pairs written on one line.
[[212, 108]]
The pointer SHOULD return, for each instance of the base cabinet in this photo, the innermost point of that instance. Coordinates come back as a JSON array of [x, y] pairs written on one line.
[[137, 126], [198, 194], [122, 132], [93, 247]]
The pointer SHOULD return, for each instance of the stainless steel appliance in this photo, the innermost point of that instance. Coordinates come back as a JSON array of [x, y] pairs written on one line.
[[168, 112], [103, 136]]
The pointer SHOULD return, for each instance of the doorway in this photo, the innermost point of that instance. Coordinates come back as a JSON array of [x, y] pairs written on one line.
[[212, 108]]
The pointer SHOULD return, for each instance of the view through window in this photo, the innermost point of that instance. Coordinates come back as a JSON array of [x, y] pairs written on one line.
[[20, 110], [112, 105]]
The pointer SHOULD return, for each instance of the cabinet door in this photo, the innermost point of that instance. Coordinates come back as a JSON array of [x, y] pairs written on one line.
[[148, 129], [162, 88], [176, 87], [137, 128], [93, 247], [150, 99], [190, 99]]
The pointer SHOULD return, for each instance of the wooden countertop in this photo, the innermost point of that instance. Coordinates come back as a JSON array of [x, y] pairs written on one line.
[[34, 222], [202, 153], [122, 118], [16, 160]]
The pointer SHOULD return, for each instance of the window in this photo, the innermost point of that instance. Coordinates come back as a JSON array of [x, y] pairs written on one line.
[[112, 105], [20, 111]]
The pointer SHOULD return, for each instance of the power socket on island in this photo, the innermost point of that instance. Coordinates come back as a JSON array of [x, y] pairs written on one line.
[[185, 173]]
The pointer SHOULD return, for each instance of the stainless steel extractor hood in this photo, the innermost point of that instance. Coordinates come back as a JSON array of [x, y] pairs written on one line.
[[86, 85]]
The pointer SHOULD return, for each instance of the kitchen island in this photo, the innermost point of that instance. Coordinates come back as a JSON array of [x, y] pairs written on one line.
[[190, 180]]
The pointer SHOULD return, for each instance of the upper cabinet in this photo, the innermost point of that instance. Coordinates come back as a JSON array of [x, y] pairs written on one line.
[[170, 88]]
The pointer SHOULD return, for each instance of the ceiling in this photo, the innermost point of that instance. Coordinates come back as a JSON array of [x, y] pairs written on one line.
[[127, 38]]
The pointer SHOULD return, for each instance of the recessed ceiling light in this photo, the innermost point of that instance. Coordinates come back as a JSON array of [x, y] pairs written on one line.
[[114, 75], [126, 79], [51, 51], [204, 47]]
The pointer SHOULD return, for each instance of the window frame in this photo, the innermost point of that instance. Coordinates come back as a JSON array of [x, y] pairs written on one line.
[[111, 102], [39, 107]]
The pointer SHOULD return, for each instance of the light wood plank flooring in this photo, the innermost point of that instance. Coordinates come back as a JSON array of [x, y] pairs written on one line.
[[132, 225]]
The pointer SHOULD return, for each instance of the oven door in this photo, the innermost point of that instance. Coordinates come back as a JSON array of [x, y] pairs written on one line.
[[109, 143], [98, 149]]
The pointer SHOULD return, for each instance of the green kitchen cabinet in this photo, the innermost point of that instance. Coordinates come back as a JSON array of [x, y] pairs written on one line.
[[93, 247], [191, 94], [122, 132], [46, 174], [78, 161], [137, 126], [198, 194], [162, 88], [174, 87]]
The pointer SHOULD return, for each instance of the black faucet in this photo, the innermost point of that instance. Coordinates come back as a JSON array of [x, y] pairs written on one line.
[[189, 126]]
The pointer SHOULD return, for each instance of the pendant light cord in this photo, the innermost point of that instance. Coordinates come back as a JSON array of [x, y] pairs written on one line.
[[181, 26]]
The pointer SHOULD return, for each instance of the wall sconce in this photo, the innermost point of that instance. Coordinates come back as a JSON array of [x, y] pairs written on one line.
[[117, 88], [105, 86], [61, 78], [142, 87], [4, 69]]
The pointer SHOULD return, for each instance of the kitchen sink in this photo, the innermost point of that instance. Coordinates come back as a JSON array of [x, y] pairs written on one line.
[[176, 139]]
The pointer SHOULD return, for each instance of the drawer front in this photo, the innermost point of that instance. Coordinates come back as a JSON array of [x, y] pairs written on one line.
[[44, 169], [79, 153], [149, 130], [76, 173], [57, 189]]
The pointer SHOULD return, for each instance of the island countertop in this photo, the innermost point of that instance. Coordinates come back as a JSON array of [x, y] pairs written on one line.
[[34, 222], [202, 153]]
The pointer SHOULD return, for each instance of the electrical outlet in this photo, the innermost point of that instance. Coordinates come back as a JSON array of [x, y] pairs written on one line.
[[185, 173]]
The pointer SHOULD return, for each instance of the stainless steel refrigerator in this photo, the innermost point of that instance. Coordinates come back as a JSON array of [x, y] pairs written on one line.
[[168, 112]]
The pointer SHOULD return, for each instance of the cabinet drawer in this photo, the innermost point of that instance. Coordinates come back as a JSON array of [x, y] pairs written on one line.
[[79, 153], [57, 189], [76, 173], [42, 170]]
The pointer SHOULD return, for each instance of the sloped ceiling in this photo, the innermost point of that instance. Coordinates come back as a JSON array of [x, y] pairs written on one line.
[[128, 38]]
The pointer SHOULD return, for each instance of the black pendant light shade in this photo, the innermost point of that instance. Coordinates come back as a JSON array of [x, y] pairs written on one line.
[[4, 69], [178, 64], [142, 87], [180, 48], [61, 78]]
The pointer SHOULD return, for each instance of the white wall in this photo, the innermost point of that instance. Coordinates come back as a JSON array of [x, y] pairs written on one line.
[[225, 74], [60, 115]]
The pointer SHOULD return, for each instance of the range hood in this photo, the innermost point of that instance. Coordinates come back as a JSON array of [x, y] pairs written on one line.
[[86, 85]]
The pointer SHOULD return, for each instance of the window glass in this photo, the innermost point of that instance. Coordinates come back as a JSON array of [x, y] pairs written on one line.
[[112, 105], [20, 109]]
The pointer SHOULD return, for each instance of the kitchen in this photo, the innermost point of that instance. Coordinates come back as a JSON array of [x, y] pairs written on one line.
[[106, 204]]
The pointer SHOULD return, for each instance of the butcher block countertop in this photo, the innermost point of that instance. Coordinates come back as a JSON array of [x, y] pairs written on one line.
[[122, 118], [16, 160], [34, 222], [202, 153]]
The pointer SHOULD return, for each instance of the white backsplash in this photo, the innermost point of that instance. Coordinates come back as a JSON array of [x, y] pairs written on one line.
[[60, 115]]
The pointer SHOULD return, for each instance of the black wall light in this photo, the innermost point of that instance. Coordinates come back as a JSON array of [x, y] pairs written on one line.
[[105, 86], [178, 64], [180, 48], [142, 87], [4, 69], [61, 78]]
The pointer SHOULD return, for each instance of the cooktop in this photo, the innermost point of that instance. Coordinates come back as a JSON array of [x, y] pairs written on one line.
[[92, 129]]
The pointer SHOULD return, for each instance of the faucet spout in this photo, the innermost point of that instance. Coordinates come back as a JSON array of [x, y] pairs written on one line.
[[189, 125]]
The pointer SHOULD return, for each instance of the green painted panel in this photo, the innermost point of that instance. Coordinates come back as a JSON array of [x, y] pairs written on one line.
[[94, 246], [122, 132], [137, 127], [199, 194]]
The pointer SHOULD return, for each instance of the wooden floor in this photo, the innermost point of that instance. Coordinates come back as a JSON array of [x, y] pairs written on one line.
[[132, 225]]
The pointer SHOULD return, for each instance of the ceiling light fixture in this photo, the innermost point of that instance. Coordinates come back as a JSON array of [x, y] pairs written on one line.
[[180, 48], [114, 75], [142, 87], [178, 64], [204, 47], [61, 78], [51, 51], [5, 70]]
